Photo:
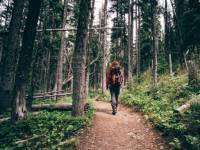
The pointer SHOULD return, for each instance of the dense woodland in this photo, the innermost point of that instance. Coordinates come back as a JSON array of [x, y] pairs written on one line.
[[52, 51]]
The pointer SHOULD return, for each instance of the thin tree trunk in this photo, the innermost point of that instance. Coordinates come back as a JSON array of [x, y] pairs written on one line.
[[138, 38], [170, 64], [104, 47], [154, 45], [167, 29], [8, 66], [59, 73], [89, 48], [192, 73], [24, 66], [130, 38], [79, 59]]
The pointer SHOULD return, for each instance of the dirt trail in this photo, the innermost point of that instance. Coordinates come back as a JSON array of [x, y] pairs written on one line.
[[125, 131]]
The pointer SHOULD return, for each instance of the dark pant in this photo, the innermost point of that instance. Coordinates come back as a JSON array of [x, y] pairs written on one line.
[[114, 91]]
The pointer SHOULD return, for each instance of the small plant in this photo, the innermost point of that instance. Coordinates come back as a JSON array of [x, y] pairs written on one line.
[[159, 105], [43, 130]]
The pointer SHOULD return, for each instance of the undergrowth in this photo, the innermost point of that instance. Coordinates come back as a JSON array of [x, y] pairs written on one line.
[[44, 130], [159, 105]]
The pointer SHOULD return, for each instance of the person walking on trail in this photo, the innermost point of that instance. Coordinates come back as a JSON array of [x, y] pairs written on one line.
[[114, 80]]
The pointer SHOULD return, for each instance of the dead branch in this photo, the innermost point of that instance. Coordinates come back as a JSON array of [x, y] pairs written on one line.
[[29, 139], [67, 80], [49, 96]]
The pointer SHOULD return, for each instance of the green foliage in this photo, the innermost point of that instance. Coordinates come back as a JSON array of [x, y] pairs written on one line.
[[159, 105], [99, 96], [66, 99], [43, 130]]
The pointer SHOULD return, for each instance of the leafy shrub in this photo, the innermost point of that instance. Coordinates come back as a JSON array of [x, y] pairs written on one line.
[[44, 130], [159, 105]]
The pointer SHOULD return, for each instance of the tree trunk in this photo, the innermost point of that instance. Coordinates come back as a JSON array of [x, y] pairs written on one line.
[[79, 59], [89, 48], [25, 59], [138, 38], [8, 66], [167, 30], [192, 73], [154, 45], [104, 47], [59, 73], [130, 38], [170, 64]]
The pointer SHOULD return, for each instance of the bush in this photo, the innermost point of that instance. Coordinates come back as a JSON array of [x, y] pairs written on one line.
[[43, 130], [159, 105]]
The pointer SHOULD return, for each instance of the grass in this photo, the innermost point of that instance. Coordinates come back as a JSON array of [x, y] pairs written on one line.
[[159, 105], [44, 129]]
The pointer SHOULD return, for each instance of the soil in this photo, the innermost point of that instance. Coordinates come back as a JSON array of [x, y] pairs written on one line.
[[127, 130]]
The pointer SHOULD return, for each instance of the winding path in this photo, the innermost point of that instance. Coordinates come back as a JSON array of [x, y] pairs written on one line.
[[127, 130]]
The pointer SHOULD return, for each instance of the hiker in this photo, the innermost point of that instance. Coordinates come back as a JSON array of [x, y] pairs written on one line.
[[114, 80]]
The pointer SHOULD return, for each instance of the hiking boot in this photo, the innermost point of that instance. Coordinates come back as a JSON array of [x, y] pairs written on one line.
[[114, 113]]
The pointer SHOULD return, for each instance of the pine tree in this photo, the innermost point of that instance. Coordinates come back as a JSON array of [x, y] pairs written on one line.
[[9, 61], [25, 59], [79, 59]]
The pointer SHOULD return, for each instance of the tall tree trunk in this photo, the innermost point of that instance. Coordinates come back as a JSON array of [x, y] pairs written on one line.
[[79, 59], [154, 45], [8, 66], [130, 40], [25, 59], [89, 48], [138, 38], [167, 29], [104, 47], [59, 73]]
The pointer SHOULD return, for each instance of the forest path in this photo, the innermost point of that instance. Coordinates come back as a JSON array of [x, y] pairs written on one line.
[[127, 130]]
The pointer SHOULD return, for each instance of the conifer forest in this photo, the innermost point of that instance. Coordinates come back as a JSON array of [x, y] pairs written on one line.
[[58, 90]]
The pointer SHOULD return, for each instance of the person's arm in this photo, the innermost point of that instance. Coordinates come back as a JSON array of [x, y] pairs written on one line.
[[107, 80], [122, 75]]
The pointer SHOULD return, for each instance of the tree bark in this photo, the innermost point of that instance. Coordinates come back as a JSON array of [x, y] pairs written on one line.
[[104, 47], [167, 30], [89, 48], [130, 38], [8, 66], [154, 44], [59, 73], [79, 59], [138, 38], [22, 77], [192, 73]]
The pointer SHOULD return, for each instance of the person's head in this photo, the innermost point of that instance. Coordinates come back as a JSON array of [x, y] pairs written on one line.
[[115, 67], [114, 63]]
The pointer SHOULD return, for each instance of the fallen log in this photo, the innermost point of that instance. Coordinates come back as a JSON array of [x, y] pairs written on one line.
[[184, 107], [187, 105], [4, 119], [66, 107]]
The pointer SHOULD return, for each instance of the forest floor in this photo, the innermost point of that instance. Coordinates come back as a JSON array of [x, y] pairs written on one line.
[[127, 130]]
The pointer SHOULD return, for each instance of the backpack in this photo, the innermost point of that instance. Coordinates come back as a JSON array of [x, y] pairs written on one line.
[[116, 77]]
